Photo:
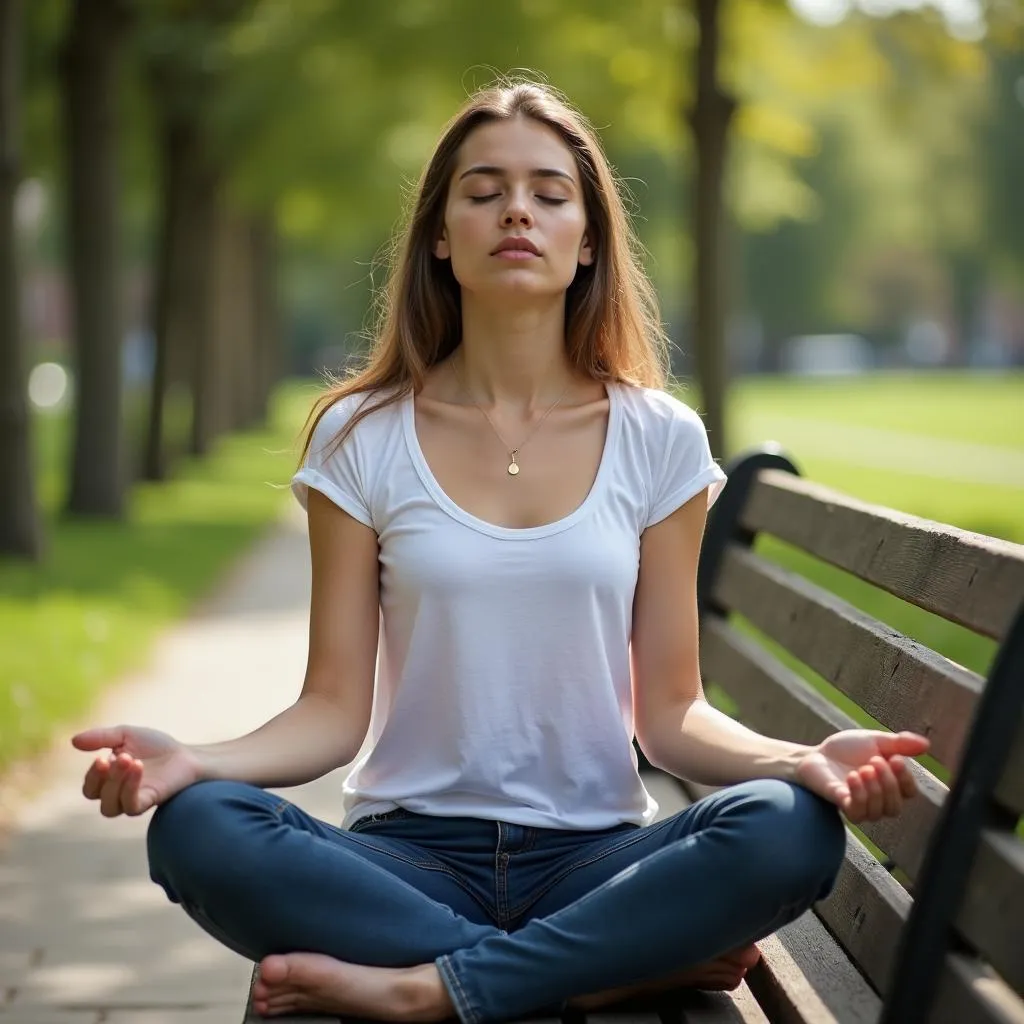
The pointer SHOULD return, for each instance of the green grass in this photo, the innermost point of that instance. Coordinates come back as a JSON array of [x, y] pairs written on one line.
[[978, 408], [92, 608]]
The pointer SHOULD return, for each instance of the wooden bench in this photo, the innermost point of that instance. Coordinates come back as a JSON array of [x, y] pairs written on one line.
[[927, 922]]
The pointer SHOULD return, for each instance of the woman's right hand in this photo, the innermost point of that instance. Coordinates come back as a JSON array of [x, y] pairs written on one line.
[[142, 768]]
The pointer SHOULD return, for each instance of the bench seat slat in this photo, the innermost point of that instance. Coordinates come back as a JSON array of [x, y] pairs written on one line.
[[968, 578], [866, 912], [805, 977], [898, 681]]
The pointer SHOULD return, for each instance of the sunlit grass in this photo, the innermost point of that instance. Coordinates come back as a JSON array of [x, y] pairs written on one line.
[[979, 408]]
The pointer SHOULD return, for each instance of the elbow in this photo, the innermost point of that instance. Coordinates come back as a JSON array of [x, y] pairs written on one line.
[[660, 734], [650, 747]]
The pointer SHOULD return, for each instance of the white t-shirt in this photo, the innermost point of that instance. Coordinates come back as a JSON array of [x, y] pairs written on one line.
[[503, 686]]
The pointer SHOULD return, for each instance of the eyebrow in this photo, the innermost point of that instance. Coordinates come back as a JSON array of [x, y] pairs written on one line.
[[500, 172]]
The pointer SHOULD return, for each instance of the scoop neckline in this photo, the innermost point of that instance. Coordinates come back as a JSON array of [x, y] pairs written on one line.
[[457, 512]]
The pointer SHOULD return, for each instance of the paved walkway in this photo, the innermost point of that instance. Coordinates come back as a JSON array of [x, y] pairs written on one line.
[[85, 937]]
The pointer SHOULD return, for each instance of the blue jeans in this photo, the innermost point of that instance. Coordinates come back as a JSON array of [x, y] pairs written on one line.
[[516, 919]]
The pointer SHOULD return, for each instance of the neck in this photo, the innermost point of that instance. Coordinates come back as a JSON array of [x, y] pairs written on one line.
[[516, 358]]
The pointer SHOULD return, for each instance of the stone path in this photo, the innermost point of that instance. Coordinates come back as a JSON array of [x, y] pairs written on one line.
[[85, 937]]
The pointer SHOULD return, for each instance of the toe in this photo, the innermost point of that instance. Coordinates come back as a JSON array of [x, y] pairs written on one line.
[[746, 957], [274, 971]]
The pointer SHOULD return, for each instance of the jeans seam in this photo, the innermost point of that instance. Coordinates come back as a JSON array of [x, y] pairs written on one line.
[[463, 1007], [632, 838], [426, 865]]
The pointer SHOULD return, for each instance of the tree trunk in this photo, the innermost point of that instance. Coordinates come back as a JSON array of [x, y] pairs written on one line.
[[20, 530], [204, 216], [155, 456], [90, 122], [710, 119], [267, 327], [233, 322]]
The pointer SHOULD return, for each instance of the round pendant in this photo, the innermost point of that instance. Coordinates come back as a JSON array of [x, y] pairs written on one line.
[[513, 469]]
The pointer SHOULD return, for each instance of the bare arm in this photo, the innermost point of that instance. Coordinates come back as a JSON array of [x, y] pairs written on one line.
[[677, 729], [326, 725]]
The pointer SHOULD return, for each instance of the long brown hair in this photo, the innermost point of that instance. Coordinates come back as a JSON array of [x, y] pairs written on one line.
[[613, 330]]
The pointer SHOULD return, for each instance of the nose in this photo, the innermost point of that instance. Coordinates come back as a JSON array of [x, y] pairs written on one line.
[[516, 211]]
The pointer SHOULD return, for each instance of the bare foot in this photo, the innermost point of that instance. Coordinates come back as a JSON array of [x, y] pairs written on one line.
[[720, 975], [312, 982]]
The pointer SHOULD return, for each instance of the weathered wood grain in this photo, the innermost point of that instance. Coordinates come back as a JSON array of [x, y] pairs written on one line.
[[898, 681], [965, 577], [866, 912], [805, 977]]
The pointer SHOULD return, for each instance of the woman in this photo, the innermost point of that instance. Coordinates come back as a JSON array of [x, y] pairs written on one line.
[[505, 512]]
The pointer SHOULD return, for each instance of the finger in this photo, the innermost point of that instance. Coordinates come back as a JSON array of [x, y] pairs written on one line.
[[874, 791], [905, 777], [130, 792], [857, 806], [95, 777], [910, 744], [110, 795], [97, 739], [892, 801]]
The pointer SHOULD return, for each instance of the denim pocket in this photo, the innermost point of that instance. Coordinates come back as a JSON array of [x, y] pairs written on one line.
[[369, 820]]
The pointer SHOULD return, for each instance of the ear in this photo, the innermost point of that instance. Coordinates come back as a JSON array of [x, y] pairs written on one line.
[[442, 250], [586, 256]]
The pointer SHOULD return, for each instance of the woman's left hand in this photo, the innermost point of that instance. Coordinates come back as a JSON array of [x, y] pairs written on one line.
[[864, 772]]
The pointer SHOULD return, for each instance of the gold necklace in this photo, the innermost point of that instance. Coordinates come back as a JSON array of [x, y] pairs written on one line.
[[513, 466]]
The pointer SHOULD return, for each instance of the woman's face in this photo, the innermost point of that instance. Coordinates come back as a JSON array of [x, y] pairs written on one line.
[[514, 219]]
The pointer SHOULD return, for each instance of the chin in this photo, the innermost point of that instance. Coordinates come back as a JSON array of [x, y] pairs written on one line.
[[517, 282]]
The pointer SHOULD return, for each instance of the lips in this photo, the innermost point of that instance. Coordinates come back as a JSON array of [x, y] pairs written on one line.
[[517, 245]]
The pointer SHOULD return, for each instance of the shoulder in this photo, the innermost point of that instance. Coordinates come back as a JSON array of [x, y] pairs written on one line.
[[659, 416], [362, 413]]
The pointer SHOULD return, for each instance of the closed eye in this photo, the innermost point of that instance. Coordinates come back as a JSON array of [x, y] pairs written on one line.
[[550, 200]]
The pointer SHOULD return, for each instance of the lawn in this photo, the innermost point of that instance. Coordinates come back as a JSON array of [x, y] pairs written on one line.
[[92, 609], [980, 408]]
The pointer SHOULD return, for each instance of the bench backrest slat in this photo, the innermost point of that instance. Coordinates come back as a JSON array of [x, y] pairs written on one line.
[[991, 917], [898, 681], [965, 577], [971, 991], [1010, 791], [775, 701]]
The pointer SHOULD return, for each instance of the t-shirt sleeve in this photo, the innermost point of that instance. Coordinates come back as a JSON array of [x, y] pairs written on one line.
[[687, 465], [337, 471]]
